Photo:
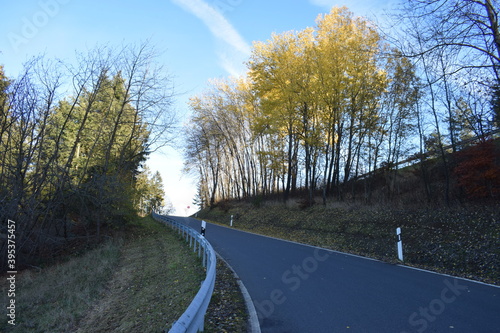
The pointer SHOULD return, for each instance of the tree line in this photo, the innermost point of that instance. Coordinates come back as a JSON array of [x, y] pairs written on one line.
[[325, 105], [74, 138]]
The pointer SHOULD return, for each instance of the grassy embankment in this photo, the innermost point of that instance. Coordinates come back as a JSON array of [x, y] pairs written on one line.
[[141, 281], [462, 242]]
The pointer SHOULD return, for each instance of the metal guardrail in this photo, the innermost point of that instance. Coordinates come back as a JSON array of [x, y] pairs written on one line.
[[192, 320]]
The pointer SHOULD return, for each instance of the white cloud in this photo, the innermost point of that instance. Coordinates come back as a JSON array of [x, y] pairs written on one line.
[[232, 62], [222, 29]]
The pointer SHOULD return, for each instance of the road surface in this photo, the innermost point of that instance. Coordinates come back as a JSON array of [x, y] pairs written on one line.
[[300, 289]]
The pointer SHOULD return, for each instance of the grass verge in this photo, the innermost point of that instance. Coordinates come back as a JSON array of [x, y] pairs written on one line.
[[140, 282], [461, 242]]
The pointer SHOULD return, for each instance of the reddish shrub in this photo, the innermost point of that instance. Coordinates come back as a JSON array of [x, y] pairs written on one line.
[[478, 170]]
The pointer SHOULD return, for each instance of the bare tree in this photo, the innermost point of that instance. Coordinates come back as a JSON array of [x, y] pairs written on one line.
[[75, 147], [468, 26]]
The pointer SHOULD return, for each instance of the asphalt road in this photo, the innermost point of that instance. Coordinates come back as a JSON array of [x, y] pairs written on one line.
[[298, 288]]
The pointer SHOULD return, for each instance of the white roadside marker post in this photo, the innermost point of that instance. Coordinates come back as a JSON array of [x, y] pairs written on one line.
[[400, 244], [231, 221], [203, 227]]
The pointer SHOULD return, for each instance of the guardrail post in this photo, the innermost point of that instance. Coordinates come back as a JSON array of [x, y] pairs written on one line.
[[199, 248], [204, 255]]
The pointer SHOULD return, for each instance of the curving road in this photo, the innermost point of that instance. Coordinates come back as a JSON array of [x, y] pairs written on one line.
[[298, 288]]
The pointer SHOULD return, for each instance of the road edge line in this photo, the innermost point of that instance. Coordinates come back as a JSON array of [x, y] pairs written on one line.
[[448, 275]]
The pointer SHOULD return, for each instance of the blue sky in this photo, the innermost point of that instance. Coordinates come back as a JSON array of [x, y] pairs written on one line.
[[199, 40]]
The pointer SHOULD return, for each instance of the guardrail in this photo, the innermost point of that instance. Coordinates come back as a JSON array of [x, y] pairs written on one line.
[[192, 319]]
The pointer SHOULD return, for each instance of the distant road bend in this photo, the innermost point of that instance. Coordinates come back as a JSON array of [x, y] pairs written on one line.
[[302, 289]]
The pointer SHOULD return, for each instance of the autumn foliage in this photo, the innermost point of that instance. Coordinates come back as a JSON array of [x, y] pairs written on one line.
[[478, 170]]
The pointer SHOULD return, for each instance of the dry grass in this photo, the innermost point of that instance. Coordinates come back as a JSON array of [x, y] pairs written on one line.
[[140, 283]]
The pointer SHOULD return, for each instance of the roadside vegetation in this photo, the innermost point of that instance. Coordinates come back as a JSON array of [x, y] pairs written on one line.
[[344, 100], [74, 139], [141, 280]]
